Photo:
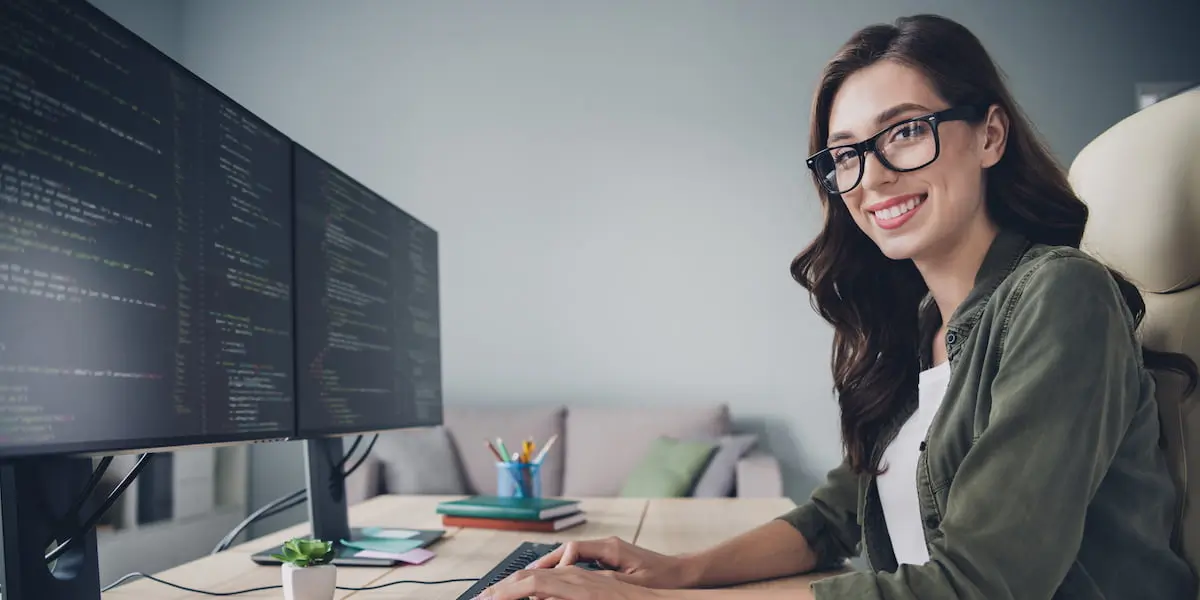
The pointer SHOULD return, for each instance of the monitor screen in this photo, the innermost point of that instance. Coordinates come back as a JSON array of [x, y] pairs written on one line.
[[367, 326], [145, 246]]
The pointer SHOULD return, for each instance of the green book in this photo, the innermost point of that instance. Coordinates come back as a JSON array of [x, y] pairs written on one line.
[[518, 509]]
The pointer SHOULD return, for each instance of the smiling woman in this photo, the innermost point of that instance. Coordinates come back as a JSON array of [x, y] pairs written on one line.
[[1001, 435]]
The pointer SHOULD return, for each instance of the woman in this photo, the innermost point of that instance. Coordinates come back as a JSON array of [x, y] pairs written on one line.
[[998, 415]]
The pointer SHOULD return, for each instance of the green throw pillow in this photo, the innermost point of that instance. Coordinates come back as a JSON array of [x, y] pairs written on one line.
[[669, 469]]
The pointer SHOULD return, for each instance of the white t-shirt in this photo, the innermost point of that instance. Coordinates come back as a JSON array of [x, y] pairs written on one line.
[[898, 486]]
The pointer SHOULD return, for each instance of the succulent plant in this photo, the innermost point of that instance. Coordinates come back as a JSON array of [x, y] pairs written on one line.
[[305, 552]]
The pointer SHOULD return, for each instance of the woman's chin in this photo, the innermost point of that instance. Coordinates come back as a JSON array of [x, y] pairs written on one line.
[[899, 247]]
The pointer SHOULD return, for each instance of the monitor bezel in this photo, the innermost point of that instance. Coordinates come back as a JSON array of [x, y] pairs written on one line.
[[103, 447]]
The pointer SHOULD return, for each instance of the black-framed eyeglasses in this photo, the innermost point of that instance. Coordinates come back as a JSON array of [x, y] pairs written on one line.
[[905, 146]]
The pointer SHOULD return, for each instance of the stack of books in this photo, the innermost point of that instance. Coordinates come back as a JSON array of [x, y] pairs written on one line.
[[513, 514]]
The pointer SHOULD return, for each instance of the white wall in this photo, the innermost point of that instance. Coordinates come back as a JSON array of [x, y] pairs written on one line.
[[619, 185]]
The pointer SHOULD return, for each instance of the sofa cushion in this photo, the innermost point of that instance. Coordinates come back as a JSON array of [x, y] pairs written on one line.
[[604, 444], [418, 461], [472, 426], [720, 474], [669, 469]]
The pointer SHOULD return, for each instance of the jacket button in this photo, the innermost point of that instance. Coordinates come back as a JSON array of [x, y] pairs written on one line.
[[922, 447], [951, 338], [931, 521]]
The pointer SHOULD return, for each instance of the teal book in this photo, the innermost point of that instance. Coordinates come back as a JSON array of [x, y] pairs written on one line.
[[517, 509]]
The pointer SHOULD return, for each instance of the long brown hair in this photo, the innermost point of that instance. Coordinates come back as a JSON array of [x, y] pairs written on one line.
[[872, 301]]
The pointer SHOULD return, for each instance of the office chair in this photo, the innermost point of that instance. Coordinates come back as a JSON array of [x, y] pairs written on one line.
[[1141, 182]]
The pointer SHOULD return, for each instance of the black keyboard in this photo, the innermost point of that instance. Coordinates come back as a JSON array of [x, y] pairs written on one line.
[[518, 559]]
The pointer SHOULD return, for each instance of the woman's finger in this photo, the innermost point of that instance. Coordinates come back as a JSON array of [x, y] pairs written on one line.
[[537, 583], [570, 554], [549, 559]]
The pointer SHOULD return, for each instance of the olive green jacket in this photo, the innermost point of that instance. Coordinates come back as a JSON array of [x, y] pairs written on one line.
[[1041, 475]]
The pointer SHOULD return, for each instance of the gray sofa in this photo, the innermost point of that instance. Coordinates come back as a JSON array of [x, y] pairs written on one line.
[[597, 448]]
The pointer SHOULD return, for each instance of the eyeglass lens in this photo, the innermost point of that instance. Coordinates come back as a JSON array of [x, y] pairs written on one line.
[[905, 146]]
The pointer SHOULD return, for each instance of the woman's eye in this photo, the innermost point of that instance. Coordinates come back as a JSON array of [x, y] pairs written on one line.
[[908, 131]]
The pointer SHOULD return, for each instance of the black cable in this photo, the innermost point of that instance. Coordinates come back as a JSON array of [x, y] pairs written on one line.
[[341, 464], [84, 495], [71, 515], [346, 457], [358, 463], [285, 507], [297, 497], [87, 526], [261, 513], [275, 587], [339, 479]]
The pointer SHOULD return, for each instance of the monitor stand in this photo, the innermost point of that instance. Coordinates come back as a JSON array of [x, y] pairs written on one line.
[[35, 495], [328, 513]]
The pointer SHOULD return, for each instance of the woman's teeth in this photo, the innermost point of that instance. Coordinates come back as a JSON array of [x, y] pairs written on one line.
[[895, 211]]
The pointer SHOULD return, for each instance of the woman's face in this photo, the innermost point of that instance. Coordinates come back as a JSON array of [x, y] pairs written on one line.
[[927, 213]]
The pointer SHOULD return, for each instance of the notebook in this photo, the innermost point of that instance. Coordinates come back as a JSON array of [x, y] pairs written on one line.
[[547, 526], [498, 507]]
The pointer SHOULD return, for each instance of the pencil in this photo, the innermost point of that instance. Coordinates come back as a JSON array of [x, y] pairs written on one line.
[[542, 455], [495, 452]]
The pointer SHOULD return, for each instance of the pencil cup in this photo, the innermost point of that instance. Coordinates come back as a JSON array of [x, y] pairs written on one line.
[[518, 480]]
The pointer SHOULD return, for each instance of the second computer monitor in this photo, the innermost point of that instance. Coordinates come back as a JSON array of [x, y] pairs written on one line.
[[367, 311]]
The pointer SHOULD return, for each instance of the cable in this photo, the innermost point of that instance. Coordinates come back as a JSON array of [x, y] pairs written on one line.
[[340, 468], [346, 457], [358, 463], [62, 548], [298, 497], [285, 507], [275, 587], [261, 513], [84, 495], [71, 515]]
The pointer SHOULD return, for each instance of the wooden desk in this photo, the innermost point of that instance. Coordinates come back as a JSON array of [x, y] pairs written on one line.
[[668, 525]]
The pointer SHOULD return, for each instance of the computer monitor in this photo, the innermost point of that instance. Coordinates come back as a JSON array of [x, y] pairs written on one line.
[[367, 329], [367, 316], [145, 271]]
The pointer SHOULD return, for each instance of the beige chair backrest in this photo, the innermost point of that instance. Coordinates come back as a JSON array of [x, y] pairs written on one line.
[[1141, 182]]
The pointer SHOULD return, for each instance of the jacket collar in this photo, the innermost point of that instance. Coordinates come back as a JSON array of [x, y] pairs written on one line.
[[1001, 259]]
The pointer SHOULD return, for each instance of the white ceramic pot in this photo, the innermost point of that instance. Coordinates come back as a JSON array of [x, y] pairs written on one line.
[[309, 583]]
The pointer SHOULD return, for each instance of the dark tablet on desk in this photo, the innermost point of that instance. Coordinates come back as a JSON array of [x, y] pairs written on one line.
[[347, 556]]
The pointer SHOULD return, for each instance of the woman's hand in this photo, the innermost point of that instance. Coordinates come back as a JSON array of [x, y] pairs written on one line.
[[629, 563], [566, 583]]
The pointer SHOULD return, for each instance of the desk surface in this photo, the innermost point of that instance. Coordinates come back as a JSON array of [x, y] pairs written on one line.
[[666, 525]]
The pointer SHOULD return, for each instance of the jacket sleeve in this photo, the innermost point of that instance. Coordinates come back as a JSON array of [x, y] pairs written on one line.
[[1068, 381], [829, 520]]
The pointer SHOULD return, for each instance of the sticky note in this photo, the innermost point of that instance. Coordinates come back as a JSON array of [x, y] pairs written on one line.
[[416, 556], [377, 554], [384, 545], [412, 557], [393, 534]]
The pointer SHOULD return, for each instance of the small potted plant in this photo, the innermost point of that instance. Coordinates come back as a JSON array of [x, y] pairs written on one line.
[[308, 572]]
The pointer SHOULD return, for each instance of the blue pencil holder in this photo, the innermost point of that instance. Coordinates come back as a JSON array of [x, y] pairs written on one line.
[[518, 480]]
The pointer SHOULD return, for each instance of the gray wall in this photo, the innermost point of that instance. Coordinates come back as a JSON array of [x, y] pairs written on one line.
[[619, 185], [159, 22]]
